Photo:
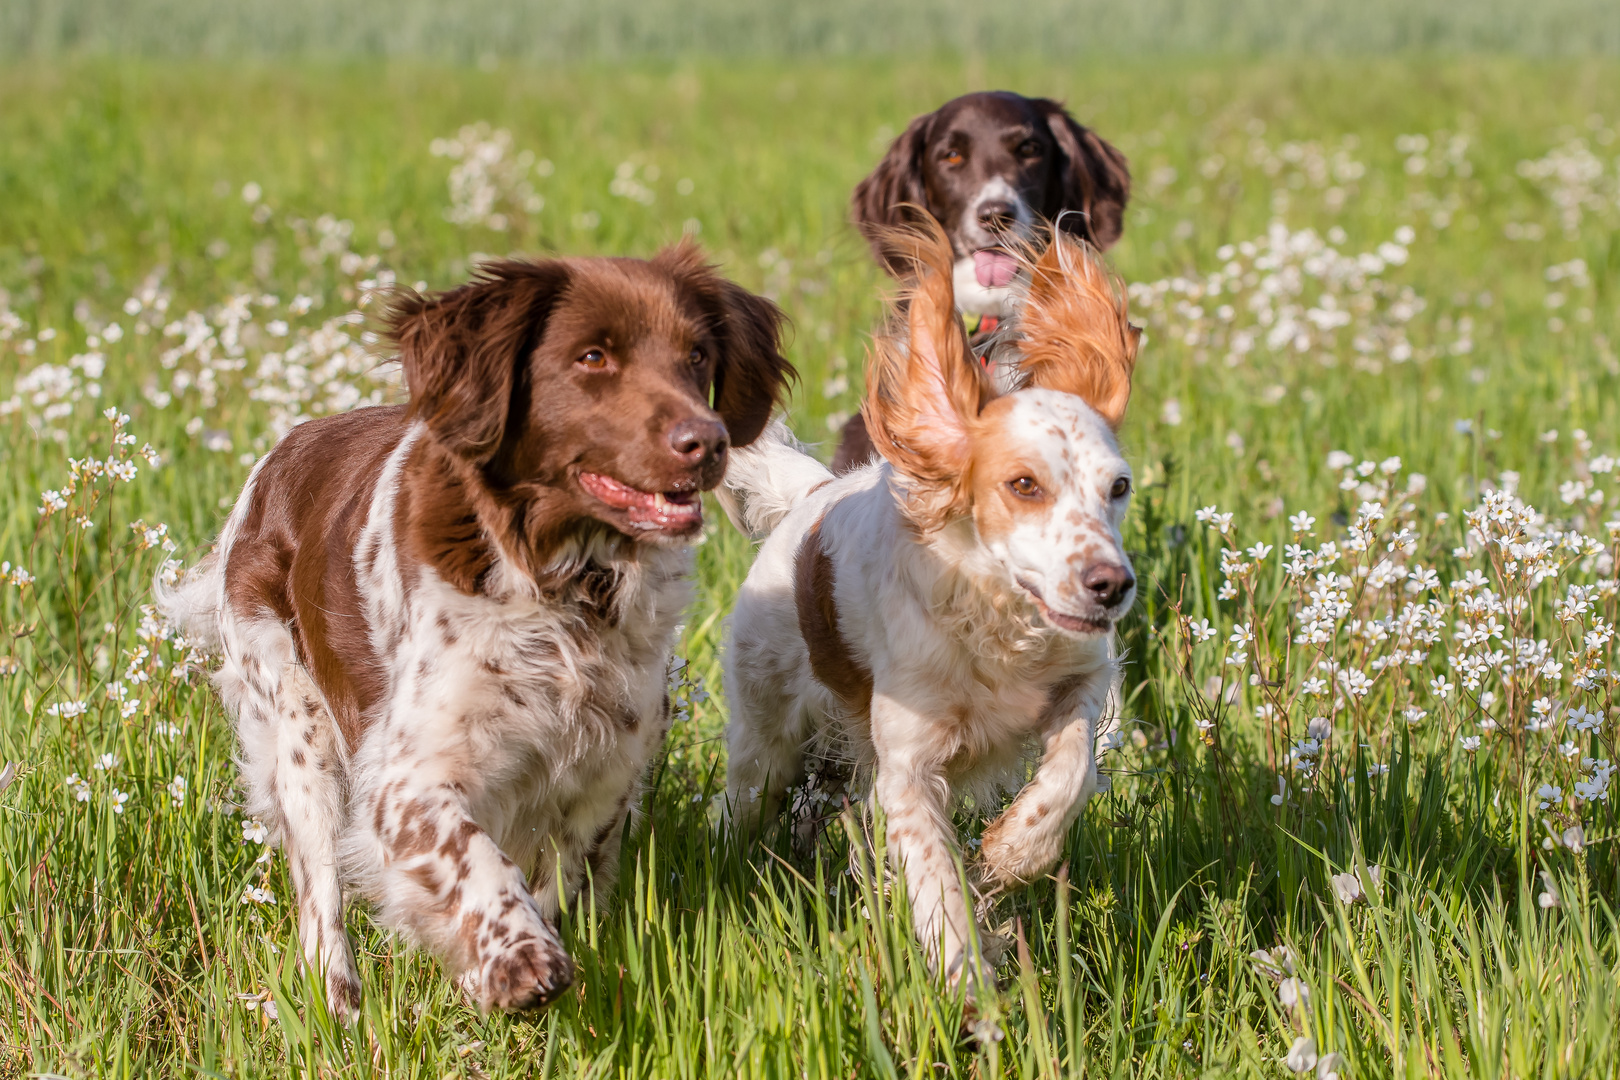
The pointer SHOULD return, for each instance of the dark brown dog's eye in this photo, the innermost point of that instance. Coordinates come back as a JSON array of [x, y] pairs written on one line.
[[1121, 488], [1030, 149], [594, 359], [953, 157], [1024, 487]]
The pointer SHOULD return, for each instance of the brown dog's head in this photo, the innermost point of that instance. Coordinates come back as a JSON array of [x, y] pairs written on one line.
[[594, 389], [988, 167]]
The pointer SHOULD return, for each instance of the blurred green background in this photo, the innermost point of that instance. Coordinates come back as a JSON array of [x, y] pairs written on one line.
[[487, 31]]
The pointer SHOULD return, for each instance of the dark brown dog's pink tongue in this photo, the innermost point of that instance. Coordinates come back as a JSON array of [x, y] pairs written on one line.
[[994, 268]]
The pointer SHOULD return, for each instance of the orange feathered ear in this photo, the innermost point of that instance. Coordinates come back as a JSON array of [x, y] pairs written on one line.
[[924, 389], [1074, 333]]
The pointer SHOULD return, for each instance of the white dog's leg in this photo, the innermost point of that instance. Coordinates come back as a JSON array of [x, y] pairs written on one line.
[[765, 753], [1025, 841], [912, 788]]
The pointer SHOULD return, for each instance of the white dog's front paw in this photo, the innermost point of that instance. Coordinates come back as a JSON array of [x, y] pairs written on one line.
[[1011, 858]]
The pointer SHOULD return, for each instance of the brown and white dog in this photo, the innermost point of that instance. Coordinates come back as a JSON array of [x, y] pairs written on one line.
[[922, 622], [446, 627], [990, 168]]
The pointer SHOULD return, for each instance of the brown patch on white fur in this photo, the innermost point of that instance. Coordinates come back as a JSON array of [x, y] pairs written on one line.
[[999, 455], [831, 660]]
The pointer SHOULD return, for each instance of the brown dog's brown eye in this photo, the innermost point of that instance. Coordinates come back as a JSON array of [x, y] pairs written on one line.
[[1030, 148], [695, 356], [953, 157], [1024, 487], [1121, 488], [594, 359]]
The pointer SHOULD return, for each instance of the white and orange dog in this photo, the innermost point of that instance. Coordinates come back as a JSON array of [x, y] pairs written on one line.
[[922, 622]]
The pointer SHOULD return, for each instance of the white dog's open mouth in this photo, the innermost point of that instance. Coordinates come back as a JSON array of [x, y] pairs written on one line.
[[673, 511], [1074, 624]]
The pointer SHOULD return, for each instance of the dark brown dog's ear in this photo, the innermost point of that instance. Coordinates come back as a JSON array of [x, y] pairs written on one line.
[[461, 349], [1094, 181], [750, 374], [893, 194]]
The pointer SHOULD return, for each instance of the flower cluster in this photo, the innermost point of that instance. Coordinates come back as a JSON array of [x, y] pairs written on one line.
[[1292, 295], [489, 183], [287, 354], [1575, 181], [1513, 655]]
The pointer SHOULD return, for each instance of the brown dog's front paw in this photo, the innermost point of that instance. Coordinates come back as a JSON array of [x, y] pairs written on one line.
[[343, 994], [530, 975]]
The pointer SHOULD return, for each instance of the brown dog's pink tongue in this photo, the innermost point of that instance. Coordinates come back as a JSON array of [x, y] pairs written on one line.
[[994, 268]]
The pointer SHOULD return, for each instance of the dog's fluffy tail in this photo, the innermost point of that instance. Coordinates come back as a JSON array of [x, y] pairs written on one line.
[[193, 602], [768, 478]]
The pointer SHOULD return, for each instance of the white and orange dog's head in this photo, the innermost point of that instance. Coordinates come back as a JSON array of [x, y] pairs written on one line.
[[1037, 470]]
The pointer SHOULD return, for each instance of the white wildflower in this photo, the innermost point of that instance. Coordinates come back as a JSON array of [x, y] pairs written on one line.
[[1347, 887], [1548, 898]]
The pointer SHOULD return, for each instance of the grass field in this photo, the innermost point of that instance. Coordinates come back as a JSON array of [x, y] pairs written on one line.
[[1379, 294]]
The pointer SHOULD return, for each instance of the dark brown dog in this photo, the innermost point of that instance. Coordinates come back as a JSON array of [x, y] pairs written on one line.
[[446, 627], [989, 167]]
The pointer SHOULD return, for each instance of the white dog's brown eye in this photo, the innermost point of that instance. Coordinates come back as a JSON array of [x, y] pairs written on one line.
[[594, 359], [1024, 487], [1121, 488]]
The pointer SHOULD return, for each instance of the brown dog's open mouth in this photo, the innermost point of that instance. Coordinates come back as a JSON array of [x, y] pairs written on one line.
[[674, 511], [994, 267], [1074, 624]]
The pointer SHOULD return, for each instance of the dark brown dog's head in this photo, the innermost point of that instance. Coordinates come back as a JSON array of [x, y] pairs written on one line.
[[988, 167], [593, 389]]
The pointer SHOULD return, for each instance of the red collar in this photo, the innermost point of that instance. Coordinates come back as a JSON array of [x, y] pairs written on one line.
[[980, 324]]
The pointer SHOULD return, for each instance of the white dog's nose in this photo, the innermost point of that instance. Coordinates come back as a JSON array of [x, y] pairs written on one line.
[[1108, 583]]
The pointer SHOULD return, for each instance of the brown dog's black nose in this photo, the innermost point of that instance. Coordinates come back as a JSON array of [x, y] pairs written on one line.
[[997, 215], [1108, 583], [694, 440]]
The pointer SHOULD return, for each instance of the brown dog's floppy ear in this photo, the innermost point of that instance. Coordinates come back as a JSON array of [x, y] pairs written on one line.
[[924, 389], [1093, 180], [1074, 332], [750, 373], [893, 194], [461, 349]]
